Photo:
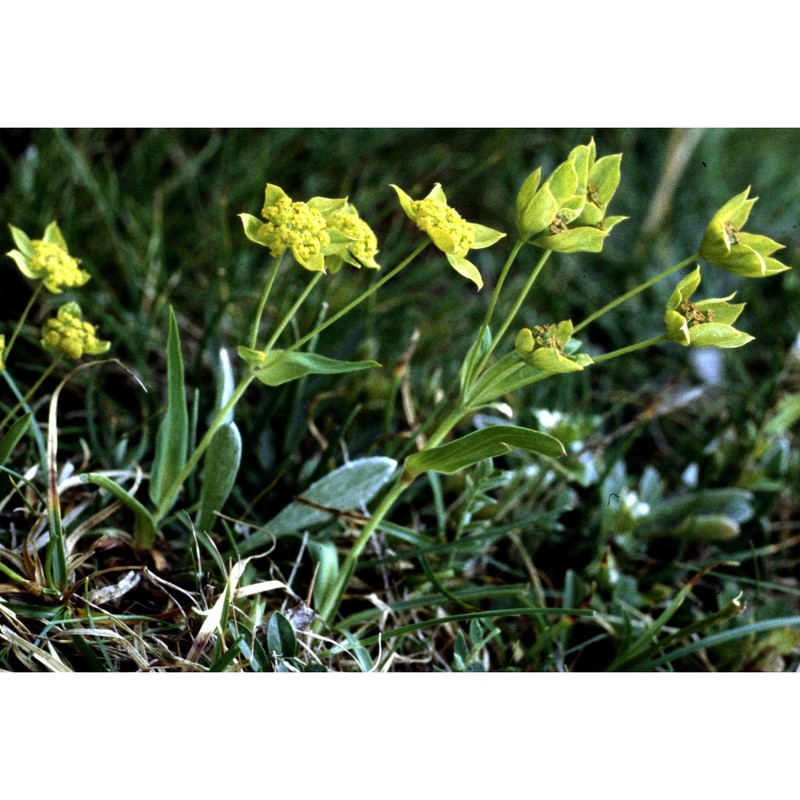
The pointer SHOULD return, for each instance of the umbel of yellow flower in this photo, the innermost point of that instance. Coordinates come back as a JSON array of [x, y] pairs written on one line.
[[321, 234], [725, 244], [68, 335], [47, 259], [448, 230], [702, 323]]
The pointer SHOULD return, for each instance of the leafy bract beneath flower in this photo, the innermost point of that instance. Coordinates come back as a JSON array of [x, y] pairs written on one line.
[[47, 260], [67, 334], [448, 230], [704, 323], [725, 245]]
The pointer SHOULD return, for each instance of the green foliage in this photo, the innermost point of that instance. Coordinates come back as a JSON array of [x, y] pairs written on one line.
[[638, 514]]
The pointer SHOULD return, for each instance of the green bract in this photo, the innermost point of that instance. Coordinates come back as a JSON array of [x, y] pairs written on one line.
[[705, 323], [47, 259], [543, 348], [448, 230], [725, 245], [567, 213]]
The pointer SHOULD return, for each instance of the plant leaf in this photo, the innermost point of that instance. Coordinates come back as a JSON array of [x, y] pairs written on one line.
[[496, 440], [173, 433], [281, 640], [221, 465], [347, 487], [145, 526], [280, 366]]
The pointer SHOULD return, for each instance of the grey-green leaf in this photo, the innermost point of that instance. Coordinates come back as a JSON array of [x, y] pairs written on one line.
[[346, 488], [496, 440], [222, 460]]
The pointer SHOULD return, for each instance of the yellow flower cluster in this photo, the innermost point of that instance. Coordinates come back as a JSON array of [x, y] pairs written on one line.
[[296, 226], [68, 335], [363, 244], [55, 267], [448, 229]]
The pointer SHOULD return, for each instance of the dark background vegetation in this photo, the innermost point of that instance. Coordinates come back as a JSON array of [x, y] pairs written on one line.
[[152, 214]]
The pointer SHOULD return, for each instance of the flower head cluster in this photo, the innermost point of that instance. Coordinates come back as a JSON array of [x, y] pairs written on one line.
[[448, 230], [567, 212], [702, 323], [725, 244], [68, 335], [362, 244], [47, 260], [545, 348], [321, 234]]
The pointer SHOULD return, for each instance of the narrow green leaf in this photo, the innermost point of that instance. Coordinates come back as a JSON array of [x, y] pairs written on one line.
[[280, 366], [12, 437], [173, 432], [496, 440], [145, 527], [221, 465]]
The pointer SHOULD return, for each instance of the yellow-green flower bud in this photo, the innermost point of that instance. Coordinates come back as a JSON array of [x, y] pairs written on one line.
[[543, 348], [725, 245], [702, 323], [567, 213], [47, 260], [67, 334]]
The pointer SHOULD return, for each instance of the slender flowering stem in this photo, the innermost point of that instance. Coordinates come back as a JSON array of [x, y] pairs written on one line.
[[292, 311], [514, 310], [631, 348], [363, 296], [633, 292], [265, 294], [36, 292], [489, 312], [22, 402]]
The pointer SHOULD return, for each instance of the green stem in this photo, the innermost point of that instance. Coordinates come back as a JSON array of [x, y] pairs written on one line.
[[514, 310], [490, 312], [363, 296], [22, 402], [265, 294], [631, 348], [331, 604], [292, 311], [633, 292], [36, 292], [216, 424]]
